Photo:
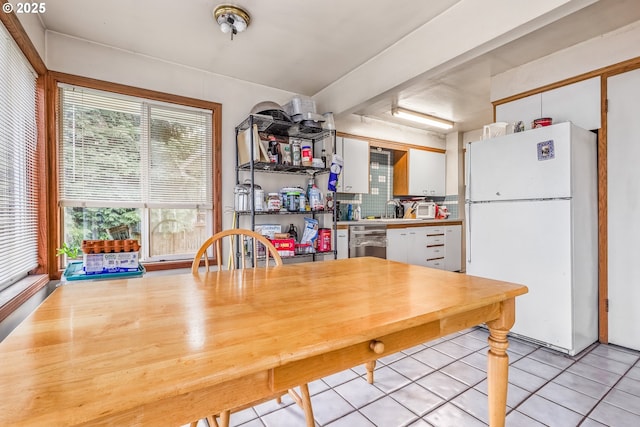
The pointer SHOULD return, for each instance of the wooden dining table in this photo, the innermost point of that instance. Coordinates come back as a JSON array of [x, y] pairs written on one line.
[[170, 349]]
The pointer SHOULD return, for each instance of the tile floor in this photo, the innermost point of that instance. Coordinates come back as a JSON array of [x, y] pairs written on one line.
[[443, 383]]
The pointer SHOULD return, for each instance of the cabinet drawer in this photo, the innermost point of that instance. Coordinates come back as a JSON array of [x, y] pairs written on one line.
[[435, 240], [431, 231], [434, 252], [436, 263]]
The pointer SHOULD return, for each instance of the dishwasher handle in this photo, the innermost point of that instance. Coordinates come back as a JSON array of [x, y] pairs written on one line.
[[364, 241], [382, 233]]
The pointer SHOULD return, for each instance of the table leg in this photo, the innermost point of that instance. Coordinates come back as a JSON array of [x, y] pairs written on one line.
[[498, 363], [371, 366]]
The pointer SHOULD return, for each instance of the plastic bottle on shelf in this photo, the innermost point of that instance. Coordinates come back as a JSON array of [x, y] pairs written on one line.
[[315, 199], [310, 185], [306, 154], [293, 232]]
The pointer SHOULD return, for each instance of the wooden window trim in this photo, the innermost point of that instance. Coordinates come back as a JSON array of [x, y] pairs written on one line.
[[52, 105], [15, 295]]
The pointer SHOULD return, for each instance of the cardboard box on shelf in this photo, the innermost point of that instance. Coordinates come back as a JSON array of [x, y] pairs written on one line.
[[285, 247]]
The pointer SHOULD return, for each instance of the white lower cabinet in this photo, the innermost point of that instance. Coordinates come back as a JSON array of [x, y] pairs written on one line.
[[429, 246], [418, 245], [453, 245], [397, 248], [342, 243]]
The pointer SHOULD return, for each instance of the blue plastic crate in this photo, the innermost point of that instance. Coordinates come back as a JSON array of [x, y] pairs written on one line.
[[75, 272]]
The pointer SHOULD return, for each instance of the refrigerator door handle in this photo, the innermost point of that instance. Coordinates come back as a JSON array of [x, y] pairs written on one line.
[[468, 165], [468, 214]]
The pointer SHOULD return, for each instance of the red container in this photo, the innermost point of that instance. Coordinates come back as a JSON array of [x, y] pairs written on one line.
[[324, 240], [544, 121], [285, 247]]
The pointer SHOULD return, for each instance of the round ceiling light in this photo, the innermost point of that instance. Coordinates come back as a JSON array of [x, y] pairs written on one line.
[[231, 19]]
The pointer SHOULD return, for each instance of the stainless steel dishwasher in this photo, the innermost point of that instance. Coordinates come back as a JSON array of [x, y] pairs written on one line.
[[368, 240]]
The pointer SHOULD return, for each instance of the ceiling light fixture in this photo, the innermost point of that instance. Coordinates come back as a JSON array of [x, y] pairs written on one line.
[[231, 19], [426, 119]]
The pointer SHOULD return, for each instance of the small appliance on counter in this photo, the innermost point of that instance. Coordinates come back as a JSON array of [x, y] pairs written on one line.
[[442, 212], [425, 210]]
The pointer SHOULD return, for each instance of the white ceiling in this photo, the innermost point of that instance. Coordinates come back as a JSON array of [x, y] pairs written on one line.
[[304, 46]]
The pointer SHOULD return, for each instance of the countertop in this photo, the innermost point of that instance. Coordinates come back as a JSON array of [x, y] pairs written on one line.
[[395, 222]]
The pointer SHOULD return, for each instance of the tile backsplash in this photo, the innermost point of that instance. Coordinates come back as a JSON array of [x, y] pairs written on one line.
[[380, 185], [381, 189]]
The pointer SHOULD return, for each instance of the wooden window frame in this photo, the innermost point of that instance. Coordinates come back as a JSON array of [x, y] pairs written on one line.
[[17, 294], [53, 96]]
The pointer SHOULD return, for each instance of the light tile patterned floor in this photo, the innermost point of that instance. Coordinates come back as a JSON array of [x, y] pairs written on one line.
[[443, 384]]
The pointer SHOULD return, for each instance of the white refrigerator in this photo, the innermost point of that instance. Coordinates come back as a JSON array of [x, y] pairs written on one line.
[[531, 212]]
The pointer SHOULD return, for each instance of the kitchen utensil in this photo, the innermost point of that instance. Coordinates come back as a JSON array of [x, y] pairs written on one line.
[[270, 108], [411, 212]]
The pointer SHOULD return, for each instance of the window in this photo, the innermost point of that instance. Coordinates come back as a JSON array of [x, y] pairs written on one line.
[[137, 168], [18, 172]]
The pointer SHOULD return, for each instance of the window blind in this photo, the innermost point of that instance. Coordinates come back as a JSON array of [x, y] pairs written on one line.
[[18, 169], [121, 151]]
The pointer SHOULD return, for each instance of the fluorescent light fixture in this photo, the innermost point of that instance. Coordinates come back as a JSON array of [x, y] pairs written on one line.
[[426, 119]]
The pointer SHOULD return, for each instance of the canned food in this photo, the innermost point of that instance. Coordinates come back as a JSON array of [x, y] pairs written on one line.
[[273, 202]]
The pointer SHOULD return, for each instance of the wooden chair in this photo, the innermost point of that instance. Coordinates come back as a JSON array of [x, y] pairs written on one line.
[[248, 239]]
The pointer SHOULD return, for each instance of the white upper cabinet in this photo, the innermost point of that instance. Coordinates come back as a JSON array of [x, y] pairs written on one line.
[[578, 103], [426, 173], [355, 171], [524, 109]]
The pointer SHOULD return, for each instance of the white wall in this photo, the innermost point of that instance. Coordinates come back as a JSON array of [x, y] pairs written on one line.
[[33, 27], [70, 55], [453, 158], [373, 128], [611, 48], [471, 136]]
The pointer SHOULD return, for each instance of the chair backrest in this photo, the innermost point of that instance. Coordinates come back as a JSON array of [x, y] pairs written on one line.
[[248, 243]]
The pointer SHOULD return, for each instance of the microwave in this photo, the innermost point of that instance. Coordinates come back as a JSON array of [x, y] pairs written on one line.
[[426, 210]]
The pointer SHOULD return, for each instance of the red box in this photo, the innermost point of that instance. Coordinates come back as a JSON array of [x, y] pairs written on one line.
[[285, 247], [324, 240]]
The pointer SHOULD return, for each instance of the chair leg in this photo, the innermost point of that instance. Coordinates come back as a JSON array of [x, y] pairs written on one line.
[[193, 424], [211, 420], [224, 418], [371, 365], [306, 405]]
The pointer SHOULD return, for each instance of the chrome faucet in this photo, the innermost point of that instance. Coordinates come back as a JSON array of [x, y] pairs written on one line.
[[391, 202]]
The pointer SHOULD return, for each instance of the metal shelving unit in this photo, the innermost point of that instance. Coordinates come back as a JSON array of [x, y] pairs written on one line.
[[269, 125]]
